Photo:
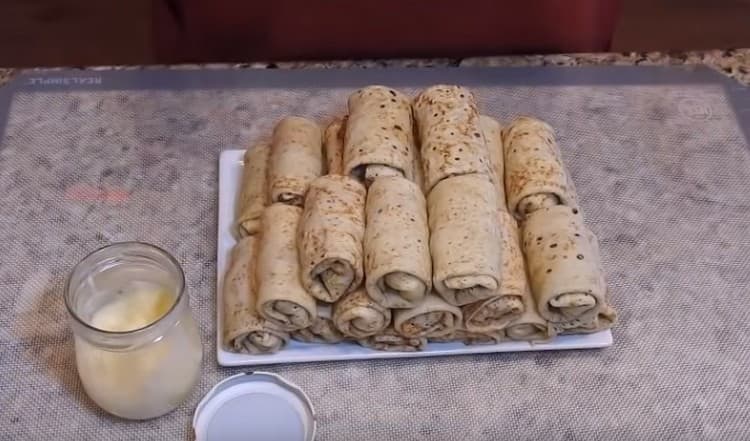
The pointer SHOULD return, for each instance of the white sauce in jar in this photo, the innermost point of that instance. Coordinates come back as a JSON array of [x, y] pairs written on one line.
[[152, 378]]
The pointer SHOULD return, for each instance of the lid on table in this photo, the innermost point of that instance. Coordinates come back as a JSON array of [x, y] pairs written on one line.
[[254, 405]]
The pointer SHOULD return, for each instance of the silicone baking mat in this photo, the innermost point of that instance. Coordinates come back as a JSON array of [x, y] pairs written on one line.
[[659, 159]]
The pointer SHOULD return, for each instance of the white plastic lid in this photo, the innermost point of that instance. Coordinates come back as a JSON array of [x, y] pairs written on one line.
[[254, 406]]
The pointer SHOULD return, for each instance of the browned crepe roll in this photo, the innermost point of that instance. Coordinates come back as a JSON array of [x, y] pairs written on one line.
[[452, 143], [379, 139], [564, 266], [357, 315], [530, 326], [535, 176], [418, 172], [333, 146], [391, 341], [471, 338], [330, 237], [397, 257], [245, 330], [605, 319], [322, 329], [483, 338], [296, 160], [281, 297], [465, 239], [252, 198], [494, 139], [432, 317], [496, 312]]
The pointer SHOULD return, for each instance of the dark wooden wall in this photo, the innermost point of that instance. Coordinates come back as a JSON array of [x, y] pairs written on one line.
[[682, 24], [75, 32], [88, 32]]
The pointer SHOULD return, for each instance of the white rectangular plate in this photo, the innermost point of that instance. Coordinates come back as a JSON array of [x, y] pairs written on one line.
[[230, 174]]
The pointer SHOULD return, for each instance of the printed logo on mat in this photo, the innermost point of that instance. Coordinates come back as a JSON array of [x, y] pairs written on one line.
[[695, 109], [90, 193], [64, 81]]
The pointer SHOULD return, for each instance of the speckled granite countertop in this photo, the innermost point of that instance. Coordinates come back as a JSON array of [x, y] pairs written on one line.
[[734, 63]]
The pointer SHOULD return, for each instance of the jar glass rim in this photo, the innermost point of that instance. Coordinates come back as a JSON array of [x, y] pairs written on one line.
[[158, 250]]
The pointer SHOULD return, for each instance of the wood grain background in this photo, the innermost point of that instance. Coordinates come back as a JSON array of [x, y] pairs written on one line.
[[87, 32]]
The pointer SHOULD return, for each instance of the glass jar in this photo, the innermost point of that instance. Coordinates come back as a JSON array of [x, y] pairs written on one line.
[[138, 349]]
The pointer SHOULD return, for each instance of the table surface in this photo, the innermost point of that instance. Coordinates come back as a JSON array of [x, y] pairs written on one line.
[[662, 172], [734, 63]]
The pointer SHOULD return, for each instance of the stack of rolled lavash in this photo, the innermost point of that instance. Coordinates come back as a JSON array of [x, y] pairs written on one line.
[[391, 228]]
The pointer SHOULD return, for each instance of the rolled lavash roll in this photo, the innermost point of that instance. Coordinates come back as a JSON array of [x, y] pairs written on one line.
[[482, 338], [471, 338], [322, 329], [535, 176], [507, 305], [333, 146], [604, 319], [494, 142], [357, 315], [330, 237], [252, 190], [564, 266], [465, 240], [432, 317], [392, 341], [245, 330], [530, 326], [397, 257], [447, 338], [418, 172], [379, 138], [296, 159], [281, 297], [452, 143]]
